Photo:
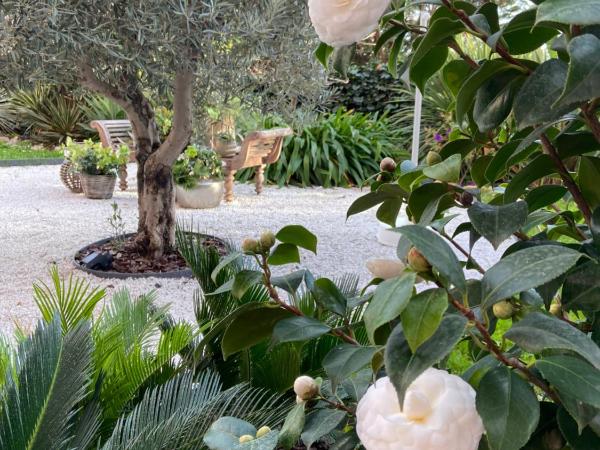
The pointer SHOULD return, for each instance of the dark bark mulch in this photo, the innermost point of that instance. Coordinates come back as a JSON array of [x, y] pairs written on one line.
[[128, 259]]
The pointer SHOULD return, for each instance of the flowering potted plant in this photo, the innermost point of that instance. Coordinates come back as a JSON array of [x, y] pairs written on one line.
[[198, 179], [97, 166]]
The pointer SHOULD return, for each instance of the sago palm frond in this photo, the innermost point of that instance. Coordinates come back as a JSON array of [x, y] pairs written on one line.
[[73, 300], [52, 374], [132, 346]]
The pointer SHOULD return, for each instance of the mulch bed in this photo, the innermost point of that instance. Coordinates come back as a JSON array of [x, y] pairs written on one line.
[[127, 259]]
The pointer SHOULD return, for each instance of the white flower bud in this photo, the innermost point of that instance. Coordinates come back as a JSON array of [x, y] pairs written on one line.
[[385, 268], [344, 22], [439, 414], [306, 388]]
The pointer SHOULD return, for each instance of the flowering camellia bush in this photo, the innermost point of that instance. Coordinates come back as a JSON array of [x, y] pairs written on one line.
[[521, 170]]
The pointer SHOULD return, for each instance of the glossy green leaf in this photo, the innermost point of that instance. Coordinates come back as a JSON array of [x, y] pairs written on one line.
[[538, 332], [438, 253], [498, 223], [448, 170], [367, 201], [290, 282], [251, 326], [540, 167], [299, 236], [284, 254], [227, 260], [497, 167], [581, 290], [494, 100], [320, 423], [545, 195], [479, 168], [342, 58], [508, 407], [573, 12], [587, 179], [466, 94], [585, 439], [583, 77], [425, 195], [573, 377], [388, 302], [292, 427], [300, 328], [526, 269], [244, 280], [322, 53], [460, 147], [534, 104], [429, 65], [328, 296], [455, 73], [403, 366], [521, 36], [423, 315], [344, 360]]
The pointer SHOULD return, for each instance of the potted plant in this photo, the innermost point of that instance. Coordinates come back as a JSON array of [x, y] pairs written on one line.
[[226, 145], [97, 166], [198, 179]]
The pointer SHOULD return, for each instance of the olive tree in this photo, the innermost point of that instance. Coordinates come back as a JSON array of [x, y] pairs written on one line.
[[128, 50]]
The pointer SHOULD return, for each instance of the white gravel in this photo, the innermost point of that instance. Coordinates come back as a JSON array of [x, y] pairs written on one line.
[[41, 223]]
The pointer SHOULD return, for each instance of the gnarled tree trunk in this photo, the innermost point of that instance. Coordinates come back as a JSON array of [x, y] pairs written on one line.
[[156, 194]]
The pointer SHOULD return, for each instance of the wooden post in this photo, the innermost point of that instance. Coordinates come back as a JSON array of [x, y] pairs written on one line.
[[260, 178], [123, 178], [229, 176]]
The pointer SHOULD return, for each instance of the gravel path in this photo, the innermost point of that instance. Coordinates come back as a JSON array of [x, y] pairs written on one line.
[[41, 223]]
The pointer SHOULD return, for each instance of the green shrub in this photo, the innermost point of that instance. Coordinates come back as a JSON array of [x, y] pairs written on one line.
[[93, 158], [339, 149], [196, 164]]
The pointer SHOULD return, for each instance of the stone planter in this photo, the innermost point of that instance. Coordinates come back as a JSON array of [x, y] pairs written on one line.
[[207, 194], [98, 187]]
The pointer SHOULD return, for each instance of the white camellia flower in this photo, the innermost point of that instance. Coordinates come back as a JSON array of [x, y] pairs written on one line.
[[306, 388], [439, 414], [344, 22], [385, 268]]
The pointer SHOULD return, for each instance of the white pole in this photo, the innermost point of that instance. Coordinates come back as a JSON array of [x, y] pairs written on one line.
[[423, 19]]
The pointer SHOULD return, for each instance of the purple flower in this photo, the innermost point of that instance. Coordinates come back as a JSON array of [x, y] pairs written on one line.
[[439, 137]]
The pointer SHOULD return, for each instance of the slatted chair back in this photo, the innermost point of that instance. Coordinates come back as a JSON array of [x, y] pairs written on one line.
[[113, 134]]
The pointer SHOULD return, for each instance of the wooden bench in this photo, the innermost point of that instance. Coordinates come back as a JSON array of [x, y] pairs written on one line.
[[113, 134], [258, 149]]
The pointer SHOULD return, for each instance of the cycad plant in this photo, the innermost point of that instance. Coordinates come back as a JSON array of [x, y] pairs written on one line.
[[114, 381]]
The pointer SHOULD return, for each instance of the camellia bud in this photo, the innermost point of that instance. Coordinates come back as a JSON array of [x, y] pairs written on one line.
[[246, 438], [306, 388], [385, 268], [387, 165], [556, 309], [503, 310], [433, 158], [267, 240], [466, 199], [417, 261], [250, 245], [262, 431]]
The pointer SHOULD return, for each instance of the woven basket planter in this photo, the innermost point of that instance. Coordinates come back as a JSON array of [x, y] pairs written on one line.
[[98, 187], [70, 177]]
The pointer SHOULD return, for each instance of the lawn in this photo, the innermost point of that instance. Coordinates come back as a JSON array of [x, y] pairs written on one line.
[[23, 151]]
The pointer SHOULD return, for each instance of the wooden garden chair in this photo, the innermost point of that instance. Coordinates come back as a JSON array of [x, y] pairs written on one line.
[[258, 149], [113, 134]]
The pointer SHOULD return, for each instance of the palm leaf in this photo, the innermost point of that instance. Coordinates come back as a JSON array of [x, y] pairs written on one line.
[[52, 374]]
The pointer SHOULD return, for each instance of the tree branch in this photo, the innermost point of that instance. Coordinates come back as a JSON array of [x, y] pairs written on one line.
[[589, 114], [567, 179]]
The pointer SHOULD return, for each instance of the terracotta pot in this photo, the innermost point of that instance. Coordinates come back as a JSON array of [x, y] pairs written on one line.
[[207, 194], [99, 187]]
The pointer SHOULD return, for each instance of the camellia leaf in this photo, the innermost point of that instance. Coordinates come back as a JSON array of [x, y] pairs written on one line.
[[494, 100], [454, 73], [290, 282], [346, 359], [583, 78], [224, 263], [498, 223], [578, 439], [388, 302], [572, 12], [251, 326], [423, 70], [328, 296], [292, 427], [587, 179], [534, 104], [447, 170], [320, 423], [367, 202], [538, 332], [243, 281], [545, 195], [508, 407], [540, 167], [300, 328], [342, 57], [403, 366], [438, 253], [581, 290], [526, 269], [572, 376], [423, 315], [284, 254], [322, 53], [521, 36], [299, 236]]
